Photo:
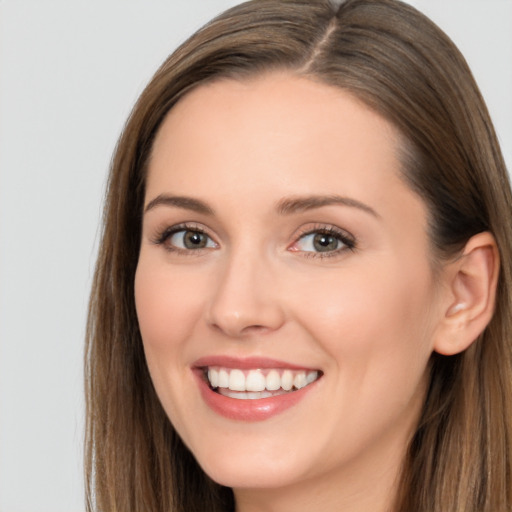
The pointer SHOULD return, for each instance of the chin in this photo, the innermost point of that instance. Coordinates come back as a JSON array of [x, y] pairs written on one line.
[[247, 475], [240, 467]]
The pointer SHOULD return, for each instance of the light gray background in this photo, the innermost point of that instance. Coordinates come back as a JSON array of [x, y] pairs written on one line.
[[69, 73]]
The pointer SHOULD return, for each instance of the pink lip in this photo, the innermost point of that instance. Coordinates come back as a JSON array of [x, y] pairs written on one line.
[[246, 363], [247, 410]]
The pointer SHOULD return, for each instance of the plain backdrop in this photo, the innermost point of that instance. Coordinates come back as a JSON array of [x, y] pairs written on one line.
[[69, 73]]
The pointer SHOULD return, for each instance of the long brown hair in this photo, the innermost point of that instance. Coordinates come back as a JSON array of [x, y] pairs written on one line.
[[400, 64]]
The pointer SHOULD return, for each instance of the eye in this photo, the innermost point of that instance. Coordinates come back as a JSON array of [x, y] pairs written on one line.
[[323, 242], [190, 239], [185, 239]]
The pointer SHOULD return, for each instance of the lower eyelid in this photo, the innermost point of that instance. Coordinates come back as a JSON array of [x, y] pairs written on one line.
[[323, 255]]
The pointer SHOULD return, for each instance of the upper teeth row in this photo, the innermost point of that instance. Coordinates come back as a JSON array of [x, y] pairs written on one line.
[[256, 380]]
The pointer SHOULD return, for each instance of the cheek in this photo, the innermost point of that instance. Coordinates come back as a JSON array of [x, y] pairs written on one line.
[[167, 307], [168, 304], [381, 312]]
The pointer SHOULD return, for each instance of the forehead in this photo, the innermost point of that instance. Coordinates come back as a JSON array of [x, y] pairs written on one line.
[[278, 108], [278, 134]]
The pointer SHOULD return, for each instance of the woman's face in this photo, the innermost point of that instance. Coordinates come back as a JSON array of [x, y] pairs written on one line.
[[282, 250]]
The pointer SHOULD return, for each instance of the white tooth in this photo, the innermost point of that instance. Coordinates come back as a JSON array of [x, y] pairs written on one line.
[[251, 395], [255, 395], [300, 380], [223, 379], [238, 396], [255, 381], [273, 380], [311, 377], [213, 377], [287, 380], [237, 380]]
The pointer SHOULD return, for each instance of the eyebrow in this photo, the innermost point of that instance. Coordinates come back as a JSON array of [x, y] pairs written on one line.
[[300, 204], [187, 203], [286, 206]]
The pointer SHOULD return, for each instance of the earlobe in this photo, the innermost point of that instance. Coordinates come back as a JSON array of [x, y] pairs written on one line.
[[471, 293]]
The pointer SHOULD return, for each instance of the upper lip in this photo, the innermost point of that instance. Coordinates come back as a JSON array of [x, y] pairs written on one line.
[[247, 363]]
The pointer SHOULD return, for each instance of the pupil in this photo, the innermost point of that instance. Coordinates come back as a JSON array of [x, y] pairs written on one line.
[[194, 240], [323, 242]]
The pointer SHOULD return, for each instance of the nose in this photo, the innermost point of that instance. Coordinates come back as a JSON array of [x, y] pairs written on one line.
[[246, 299]]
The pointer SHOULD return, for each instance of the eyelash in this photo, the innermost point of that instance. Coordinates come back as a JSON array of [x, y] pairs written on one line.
[[163, 236], [345, 238], [348, 241]]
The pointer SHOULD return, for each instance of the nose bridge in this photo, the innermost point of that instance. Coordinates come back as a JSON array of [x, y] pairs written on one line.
[[246, 298]]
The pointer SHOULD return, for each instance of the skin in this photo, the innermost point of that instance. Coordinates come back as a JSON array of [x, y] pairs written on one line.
[[366, 317]]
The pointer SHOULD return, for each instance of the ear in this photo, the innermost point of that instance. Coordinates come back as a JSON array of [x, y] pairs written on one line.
[[471, 282]]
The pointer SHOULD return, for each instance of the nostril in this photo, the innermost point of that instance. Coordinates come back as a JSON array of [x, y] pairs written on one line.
[[259, 329], [244, 331]]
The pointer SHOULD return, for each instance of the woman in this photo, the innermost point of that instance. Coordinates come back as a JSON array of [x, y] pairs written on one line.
[[302, 297]]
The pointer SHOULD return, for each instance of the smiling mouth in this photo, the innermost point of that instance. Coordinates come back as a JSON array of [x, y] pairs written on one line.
[[258, 383]]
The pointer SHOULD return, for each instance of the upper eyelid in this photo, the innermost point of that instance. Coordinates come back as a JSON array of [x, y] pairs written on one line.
[[324, 228], [184, 226], [164, 233]]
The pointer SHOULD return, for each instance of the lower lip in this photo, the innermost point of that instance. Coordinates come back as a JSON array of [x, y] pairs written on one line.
[[249, 410]]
